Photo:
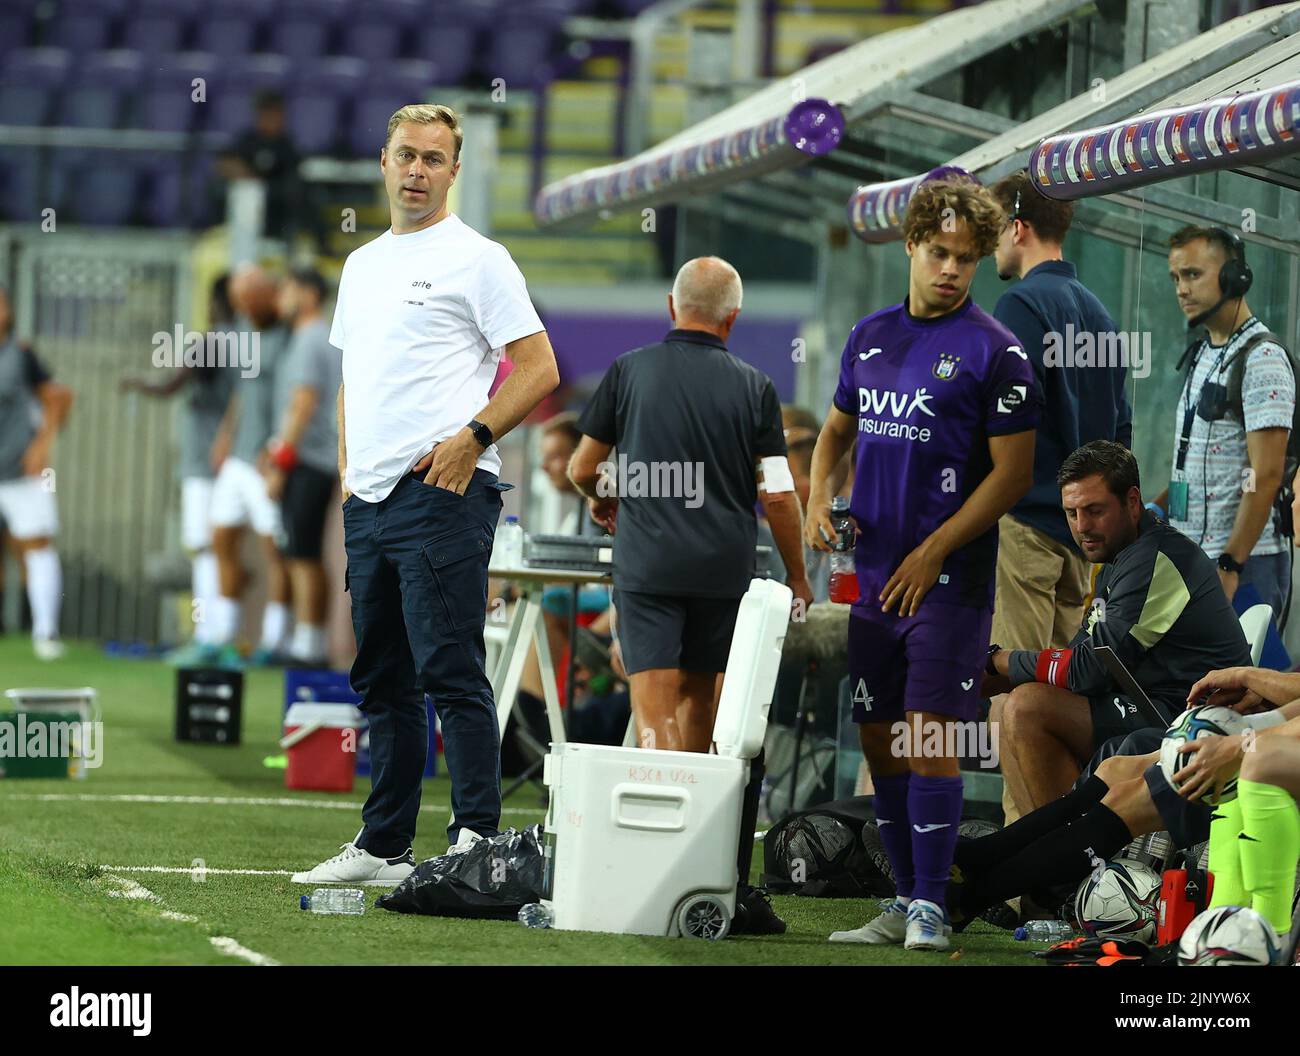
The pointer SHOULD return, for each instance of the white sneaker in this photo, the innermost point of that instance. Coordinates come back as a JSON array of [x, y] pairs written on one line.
[[48, 648], [465, 839], [888, 928], [352, 865], [927, 926]]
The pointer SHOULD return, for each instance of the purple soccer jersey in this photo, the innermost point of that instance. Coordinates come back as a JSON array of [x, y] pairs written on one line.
[[927, 394]]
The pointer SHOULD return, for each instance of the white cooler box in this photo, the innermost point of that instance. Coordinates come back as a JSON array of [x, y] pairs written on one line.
[[643, 842]]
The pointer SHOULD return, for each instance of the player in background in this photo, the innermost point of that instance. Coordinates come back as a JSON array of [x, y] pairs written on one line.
[[206, 392], [33, 408], [944, 405], [302, 475]]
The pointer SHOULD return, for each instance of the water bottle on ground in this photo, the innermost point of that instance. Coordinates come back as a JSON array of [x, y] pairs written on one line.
[[510, 540], [1044, 931], [844, 571], [535, 915], [348, 901]]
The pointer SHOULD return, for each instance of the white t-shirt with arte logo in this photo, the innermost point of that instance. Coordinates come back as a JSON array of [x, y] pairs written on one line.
[[422, 319]]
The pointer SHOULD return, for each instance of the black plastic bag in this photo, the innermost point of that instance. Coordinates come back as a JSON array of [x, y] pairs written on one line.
[[818, 853], [490, 881]]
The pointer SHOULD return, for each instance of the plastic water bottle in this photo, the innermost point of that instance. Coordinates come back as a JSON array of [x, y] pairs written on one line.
[[348, 901], [511, 541], [535, 915], [1044, 931], [844, 571]]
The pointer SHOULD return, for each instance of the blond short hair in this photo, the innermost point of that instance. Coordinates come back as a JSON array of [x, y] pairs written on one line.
[[428, 114]]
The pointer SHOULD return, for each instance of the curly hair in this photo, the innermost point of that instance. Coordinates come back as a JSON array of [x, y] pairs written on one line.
[[928, 211]]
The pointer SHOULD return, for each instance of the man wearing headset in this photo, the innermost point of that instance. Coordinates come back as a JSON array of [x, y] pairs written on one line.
[[1232, 420]]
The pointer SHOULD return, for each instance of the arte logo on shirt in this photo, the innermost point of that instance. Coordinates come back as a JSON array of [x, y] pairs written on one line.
[[899, 406]]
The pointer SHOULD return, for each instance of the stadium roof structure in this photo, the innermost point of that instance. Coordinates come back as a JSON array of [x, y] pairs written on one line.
[[827, 119], [1228, 98]]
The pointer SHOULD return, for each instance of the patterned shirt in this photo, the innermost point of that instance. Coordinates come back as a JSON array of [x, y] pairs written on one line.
[[1217, 460]]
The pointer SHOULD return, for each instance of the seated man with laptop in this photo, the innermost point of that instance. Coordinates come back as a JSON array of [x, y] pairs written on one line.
[[1158, 609]]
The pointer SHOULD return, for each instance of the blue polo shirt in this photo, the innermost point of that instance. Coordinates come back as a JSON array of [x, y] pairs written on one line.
[[1081, 403]]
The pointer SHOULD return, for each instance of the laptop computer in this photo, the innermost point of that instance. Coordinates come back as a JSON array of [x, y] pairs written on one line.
[[1129, 686]]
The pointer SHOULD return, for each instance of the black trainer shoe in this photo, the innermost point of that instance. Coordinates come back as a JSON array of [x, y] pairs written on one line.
[[754, 913]]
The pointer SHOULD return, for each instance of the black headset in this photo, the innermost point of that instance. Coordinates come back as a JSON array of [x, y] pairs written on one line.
[[1235, 275]]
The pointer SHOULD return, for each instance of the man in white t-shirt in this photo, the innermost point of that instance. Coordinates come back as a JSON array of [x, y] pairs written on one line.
[[424, 313]]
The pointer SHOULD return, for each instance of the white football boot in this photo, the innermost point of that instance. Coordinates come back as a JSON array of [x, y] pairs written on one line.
[[887, 929], [927, 926]]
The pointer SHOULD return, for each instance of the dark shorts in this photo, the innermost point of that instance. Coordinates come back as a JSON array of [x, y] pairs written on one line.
[[674, 631], [306, 499], [1186, 822], [1114, 715], [932, 661]]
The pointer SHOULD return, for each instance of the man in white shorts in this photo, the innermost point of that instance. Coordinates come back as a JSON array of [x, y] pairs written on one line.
[[239, 496], [33, 408]]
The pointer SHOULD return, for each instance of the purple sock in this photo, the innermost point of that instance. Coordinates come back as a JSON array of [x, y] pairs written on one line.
[[891, 803], [934, 806]]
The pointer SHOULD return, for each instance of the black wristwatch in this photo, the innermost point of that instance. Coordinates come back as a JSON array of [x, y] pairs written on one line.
[[1230, 564], [481, 433], [994, 649]]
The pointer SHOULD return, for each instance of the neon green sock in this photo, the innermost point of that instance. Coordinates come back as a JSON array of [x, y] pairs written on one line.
[[1270, 846], [1225, 858]]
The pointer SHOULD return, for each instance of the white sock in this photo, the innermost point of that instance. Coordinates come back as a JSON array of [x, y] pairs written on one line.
[[308, 643], [204, 587], [275, 626], [222, 619], [44, 590]]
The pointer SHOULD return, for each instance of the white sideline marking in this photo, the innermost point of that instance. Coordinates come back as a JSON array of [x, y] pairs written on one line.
[[124, 887], [197, 870], [231, 948], [230, 801]]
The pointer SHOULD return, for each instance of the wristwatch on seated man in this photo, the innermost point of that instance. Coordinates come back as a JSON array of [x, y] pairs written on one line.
[[1230, 564], [481, 433]]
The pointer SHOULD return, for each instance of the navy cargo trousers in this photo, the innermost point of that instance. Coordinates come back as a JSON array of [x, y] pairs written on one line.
[[417, 573]]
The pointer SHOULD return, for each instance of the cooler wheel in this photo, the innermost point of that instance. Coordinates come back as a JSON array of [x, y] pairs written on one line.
[[703, 917]]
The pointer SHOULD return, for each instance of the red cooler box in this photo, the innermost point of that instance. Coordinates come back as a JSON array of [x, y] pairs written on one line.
[[321, 742]]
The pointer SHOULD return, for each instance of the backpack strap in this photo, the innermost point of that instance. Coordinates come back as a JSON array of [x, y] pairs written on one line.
[[1236, 367]]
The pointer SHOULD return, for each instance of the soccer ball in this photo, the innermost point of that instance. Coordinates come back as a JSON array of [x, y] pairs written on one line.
[[1204, 721], [1229, 935], [1119, 900]]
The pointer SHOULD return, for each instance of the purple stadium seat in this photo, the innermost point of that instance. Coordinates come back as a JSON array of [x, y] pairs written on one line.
[[168, 110], [313, 122], [80, 33], [155, 34], [450, 47], [370, 116], [109, 199], [177, 194], [36, 67], [300, 38], [226, 36], [102, 91], [372, 41], [23, 104], [340, 77], [230, 111], [15, 30], [520, 51], [478, 14], [256, 71], [186, 10], [21, 195], [180, 69], [411, 78]]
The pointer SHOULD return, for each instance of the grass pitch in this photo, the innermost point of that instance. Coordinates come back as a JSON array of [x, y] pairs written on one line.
[[71, 853]]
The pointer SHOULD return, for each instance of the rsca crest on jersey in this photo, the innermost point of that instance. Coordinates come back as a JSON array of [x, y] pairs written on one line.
[[945, 367]]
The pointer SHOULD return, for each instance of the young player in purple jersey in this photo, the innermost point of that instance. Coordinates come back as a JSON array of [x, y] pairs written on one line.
[[943, 404]]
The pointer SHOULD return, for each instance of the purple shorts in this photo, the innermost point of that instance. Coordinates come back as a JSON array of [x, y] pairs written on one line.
[[932, 661]]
